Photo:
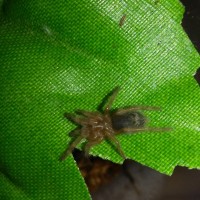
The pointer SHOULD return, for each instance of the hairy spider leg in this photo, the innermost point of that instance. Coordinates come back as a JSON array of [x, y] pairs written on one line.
[[74, 133], [114, 139], [88, 147], [87, 113], [111, 99], [135, 108], [132, 130], [78, 120], [71, 147]]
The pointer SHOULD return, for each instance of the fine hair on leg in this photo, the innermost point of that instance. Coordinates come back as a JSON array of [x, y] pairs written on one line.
[[136, 108], [70, 148], [111, 99]]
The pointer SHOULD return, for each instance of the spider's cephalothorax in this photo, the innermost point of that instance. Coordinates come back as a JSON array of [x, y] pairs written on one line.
[[97, 126]]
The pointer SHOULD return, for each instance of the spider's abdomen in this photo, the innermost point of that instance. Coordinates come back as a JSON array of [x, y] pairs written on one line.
[[127, 120]]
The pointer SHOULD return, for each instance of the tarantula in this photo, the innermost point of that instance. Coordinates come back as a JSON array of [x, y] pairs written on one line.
[[97, 126]]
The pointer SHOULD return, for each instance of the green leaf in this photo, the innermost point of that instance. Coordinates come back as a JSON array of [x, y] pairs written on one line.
[[69, 55]]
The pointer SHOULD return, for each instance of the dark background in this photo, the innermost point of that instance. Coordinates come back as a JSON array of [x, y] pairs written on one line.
[[191, 25], [191, 21]]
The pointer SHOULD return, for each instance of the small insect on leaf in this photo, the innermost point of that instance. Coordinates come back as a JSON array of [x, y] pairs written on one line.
[[122, 20], [98, 126]]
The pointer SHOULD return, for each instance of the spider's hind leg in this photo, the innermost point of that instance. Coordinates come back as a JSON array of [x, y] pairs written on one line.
[[136, 108], [146, 129]]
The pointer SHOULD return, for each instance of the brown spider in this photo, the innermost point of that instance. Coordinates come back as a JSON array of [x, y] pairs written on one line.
[[97, 126]]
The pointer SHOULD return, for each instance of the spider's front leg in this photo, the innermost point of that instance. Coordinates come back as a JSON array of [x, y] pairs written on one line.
[[114, 139], [88, 146], [111, 99], [71, 147], [87, 113], [77, 119]]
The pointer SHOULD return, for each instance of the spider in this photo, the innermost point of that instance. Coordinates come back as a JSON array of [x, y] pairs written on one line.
[[97, 126]]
